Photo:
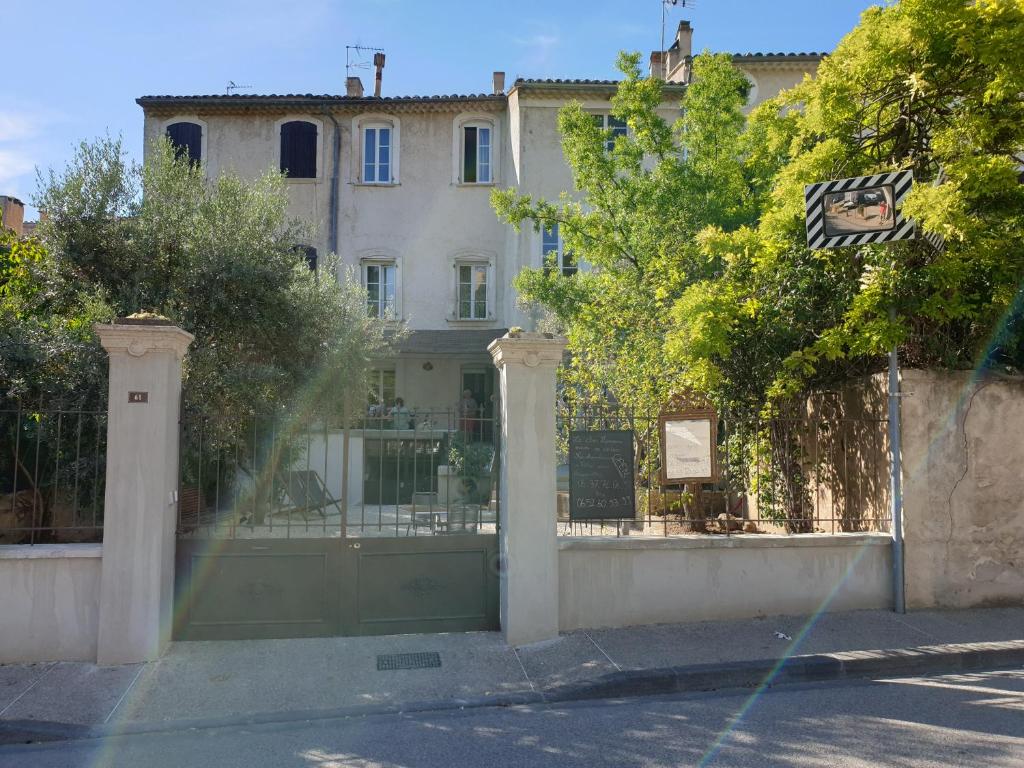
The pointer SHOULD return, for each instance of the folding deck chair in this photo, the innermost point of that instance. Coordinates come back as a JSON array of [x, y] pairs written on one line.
[[307, 493]]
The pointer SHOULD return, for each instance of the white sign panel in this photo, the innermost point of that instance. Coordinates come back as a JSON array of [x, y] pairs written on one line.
[[688, 449]]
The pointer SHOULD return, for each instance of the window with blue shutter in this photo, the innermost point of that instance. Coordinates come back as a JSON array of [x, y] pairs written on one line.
[[309, 253], [476, 154], [298, 149], [187, 140]]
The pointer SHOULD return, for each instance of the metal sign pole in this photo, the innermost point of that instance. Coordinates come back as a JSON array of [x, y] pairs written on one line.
[[895, 479]]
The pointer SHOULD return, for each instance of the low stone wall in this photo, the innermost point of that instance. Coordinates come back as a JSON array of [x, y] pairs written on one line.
[[963, 516], [618, 582], [49, 602]]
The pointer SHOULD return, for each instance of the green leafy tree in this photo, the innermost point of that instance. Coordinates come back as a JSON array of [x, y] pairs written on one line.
[[633, 217], [217, 257], [933, 86]]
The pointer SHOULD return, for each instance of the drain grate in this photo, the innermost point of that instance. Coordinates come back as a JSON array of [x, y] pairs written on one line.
[[408, 660]]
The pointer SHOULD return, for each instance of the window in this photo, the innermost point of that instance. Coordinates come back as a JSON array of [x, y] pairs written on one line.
[[551, 243], [472, 291], [380, 280], [187, 140], [616, 125], [309, 253], [476, 154], [377, 155], [382, 387], [298, 149]]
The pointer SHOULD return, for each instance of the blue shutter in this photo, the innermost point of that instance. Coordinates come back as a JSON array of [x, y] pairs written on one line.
[[187, 140], [298, 149]]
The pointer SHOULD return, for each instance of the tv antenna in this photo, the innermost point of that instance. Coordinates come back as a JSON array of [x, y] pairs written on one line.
[[233, 86], [664, 11], [358, 57]]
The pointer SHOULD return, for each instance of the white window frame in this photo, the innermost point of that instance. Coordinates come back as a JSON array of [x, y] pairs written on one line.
[[384, 261], [606, 118], [319, 146], [462, 122], [359, 126], [473, 260], [559, 251], [188, 119]]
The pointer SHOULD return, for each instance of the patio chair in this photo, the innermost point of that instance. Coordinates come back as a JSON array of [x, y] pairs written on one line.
[[307, 493]]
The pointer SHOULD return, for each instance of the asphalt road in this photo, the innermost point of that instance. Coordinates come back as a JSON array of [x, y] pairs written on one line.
[[974, 719]]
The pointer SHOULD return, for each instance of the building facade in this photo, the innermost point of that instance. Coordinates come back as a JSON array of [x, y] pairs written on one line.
[[399, 188]]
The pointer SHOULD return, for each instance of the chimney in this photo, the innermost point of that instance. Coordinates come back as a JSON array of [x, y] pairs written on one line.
[[354, 87], [674, 65], [378, 62], [657, 59], [684, 39], [13, 212], [499, 83]]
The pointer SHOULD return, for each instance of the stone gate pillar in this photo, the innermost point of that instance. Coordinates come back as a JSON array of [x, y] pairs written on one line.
[[529, 548], [137, 581]]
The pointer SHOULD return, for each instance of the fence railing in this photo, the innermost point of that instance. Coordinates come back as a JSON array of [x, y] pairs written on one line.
[[412, 473], [797, 474], [52, 474]]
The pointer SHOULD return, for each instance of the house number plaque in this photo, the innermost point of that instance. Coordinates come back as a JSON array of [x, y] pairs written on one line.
[[138, 397]]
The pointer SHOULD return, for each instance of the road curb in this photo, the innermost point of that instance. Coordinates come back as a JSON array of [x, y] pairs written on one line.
[[850, 665], [924, 659]]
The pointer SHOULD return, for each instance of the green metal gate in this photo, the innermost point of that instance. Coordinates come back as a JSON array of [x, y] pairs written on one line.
[[275, 540]]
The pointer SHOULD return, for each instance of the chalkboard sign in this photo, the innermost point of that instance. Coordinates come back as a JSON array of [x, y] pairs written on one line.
[[601, 475]]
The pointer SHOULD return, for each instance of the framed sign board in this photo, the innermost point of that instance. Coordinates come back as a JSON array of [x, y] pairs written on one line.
[[601, 480], [689, 446], [858, 211]]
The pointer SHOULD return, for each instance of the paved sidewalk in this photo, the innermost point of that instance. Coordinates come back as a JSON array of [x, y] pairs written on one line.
[[223, 682]]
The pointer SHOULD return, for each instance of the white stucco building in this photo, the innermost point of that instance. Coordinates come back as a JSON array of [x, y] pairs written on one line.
[[399, 187]]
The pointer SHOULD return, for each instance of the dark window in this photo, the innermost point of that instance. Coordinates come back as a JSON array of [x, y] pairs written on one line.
[[298, 150], [309, 253], [476, 154], [187, 140], [469, 155]]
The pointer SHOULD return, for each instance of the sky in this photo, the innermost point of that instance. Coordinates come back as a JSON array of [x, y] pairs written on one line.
[[72, 70]]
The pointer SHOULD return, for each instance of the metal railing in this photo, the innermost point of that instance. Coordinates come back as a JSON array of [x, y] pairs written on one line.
[[415, 473], [796, 474], [52, 474]]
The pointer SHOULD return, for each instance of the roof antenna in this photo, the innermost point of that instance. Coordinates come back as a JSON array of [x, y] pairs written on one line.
[[356, 57], [664, 7], [233, 86]]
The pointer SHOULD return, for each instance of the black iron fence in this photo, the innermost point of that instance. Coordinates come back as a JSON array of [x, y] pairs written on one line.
[[404, 473], [52, 474], [803, 473]]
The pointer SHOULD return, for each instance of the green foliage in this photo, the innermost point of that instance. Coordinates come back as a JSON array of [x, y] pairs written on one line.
[[471, 462], [218, 258], [702, 278], [635, 221], [48, 352], [930, 85]]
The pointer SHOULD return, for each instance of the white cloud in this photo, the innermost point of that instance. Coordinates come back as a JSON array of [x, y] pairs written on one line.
[[12, 166], [21, 145], [15, 127]]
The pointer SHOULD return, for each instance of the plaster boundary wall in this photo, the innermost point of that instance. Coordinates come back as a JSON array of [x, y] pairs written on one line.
[[49, 602], [619, 582]]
